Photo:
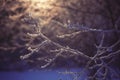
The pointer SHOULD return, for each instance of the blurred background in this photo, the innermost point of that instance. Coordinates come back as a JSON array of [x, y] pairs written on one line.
[[53, 15]]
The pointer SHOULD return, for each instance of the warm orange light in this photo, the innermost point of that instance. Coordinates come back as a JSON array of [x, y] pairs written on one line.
[[40, 3], [44, 8], [41, 0]]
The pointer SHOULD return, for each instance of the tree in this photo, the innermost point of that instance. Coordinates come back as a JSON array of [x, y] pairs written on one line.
[[86, 35]]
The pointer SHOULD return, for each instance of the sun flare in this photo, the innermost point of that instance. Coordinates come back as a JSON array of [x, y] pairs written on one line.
[[40, 0], [40, 3], [40, 8]]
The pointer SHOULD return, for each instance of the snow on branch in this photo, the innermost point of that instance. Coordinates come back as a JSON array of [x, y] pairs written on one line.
[[102, 67], [35, 48], [97, 62]]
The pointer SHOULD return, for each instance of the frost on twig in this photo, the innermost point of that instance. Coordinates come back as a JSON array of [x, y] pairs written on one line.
[[69, 35], [46, 42], [98, 64], [102, 61]]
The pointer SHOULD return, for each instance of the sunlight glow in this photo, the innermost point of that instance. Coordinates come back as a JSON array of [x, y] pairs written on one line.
[[40, 0], [44, 8], [40, 3]]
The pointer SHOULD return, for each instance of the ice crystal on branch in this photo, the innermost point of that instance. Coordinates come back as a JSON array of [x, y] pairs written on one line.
[[47, 41], [98, 64]]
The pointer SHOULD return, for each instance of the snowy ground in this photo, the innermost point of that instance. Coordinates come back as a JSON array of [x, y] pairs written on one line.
[[58, 74]]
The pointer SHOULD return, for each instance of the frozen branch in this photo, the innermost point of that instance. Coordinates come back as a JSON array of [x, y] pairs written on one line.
[[35, 48], [101, 54]]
